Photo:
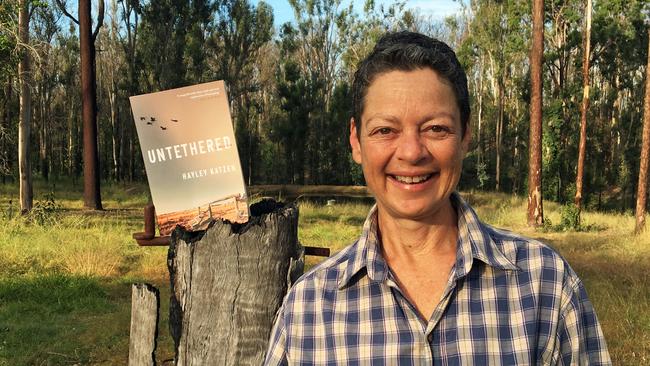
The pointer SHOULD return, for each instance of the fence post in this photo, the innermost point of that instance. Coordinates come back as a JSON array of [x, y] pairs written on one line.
[[145, 302], [227, 284]]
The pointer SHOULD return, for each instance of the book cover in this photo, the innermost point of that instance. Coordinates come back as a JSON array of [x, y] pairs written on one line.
[[190, 156]]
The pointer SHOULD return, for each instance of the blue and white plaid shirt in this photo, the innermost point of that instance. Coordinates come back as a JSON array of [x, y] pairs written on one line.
[[508, 301]]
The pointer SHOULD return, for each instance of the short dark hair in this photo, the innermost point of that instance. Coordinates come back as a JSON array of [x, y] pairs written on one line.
[[407, 51]]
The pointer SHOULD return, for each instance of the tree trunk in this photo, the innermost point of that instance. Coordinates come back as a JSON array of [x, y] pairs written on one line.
[[5, 168], [115, 141], [126, 152], [44, 135], [499, 132], [131, 155], [121, 152], [92, 195], [227, 284], [24, 124], [645, 152], [515, 153], [479, 97], [585, 108], [72, 137], [535, 208]]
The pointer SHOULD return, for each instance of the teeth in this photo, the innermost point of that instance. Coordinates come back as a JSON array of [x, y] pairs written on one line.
[[411, 180]]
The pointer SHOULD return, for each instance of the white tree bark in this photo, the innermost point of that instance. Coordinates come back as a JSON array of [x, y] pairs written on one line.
[[25, 121]]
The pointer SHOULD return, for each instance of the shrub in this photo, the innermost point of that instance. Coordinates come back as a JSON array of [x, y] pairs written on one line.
[[44, 212], [570, 217]]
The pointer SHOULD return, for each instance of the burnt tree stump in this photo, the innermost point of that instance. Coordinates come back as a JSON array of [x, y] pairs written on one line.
[[227, 284]]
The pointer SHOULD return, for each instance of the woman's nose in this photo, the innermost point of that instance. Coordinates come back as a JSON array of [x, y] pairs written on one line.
[[411, 147]]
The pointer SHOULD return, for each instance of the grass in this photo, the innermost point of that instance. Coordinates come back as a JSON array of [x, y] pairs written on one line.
[[65, 282], [65, 278]]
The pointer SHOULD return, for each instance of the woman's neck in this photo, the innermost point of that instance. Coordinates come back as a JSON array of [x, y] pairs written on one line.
[[417, 240]]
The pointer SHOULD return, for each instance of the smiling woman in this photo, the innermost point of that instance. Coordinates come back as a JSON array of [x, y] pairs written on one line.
[[427, 282], [410, 144]]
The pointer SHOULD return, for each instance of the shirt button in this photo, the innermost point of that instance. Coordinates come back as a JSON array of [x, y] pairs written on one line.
[[430, 337]]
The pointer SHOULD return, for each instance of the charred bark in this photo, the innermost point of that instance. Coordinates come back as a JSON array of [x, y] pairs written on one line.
[[92, 194], [227, 284]]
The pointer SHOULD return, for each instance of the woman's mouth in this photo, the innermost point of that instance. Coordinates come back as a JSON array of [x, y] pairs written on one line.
[[412, 179]]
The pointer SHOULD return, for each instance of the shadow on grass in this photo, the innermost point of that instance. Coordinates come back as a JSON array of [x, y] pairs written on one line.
[[567, 247], [316, 218], [42, 315], [489, 199], [63, 319]]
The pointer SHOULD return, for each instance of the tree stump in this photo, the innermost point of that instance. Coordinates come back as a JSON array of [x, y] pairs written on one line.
[[145, 302], [227, 284]]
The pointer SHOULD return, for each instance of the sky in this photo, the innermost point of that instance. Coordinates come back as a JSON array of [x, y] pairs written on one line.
[[437, 8]]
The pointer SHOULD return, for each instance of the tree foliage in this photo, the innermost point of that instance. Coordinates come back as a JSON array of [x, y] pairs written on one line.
[[289, 86]]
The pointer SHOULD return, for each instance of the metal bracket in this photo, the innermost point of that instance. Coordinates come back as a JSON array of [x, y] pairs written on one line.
[[148, 237]]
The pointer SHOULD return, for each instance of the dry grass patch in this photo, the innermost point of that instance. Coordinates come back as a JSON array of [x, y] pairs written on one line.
[[65, 282]]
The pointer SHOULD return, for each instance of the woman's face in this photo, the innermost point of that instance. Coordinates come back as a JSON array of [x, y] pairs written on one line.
[[410, 143]]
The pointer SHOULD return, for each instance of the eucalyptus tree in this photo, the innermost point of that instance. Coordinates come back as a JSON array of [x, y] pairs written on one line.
[[645, 149], [290, 129], [491, 19], [535, 208], [87, 37], [619, 60], [493, 47], [67, 105], [242, 31], [130, 15], [318, 50], [584, 106], [45, 27], [162, 40], [111, 72], [200, 28], [561, 72], [8, 41], [24, 124], [171, 45], [363, 32]]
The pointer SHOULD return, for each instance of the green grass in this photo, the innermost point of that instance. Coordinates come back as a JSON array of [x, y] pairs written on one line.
[[65, 282], [65, 278]]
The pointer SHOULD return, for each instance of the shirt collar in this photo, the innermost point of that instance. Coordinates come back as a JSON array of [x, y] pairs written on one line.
[[474, 242], [366, 254]]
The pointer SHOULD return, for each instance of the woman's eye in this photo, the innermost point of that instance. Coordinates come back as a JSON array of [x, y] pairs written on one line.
[[439, 130]]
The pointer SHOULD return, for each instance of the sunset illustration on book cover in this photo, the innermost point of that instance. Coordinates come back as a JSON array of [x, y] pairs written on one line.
[[190, 156]]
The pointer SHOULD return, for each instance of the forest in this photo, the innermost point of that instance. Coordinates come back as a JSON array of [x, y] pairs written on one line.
[[289, 87], [560, 100]]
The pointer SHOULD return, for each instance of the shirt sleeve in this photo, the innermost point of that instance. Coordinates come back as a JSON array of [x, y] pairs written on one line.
[[276, 354], [580, 340]]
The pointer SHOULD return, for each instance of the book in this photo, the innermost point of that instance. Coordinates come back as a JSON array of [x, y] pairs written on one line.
[[190, 156]]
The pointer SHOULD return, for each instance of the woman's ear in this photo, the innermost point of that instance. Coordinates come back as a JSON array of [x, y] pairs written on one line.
[[467, 140], [354, 142]]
